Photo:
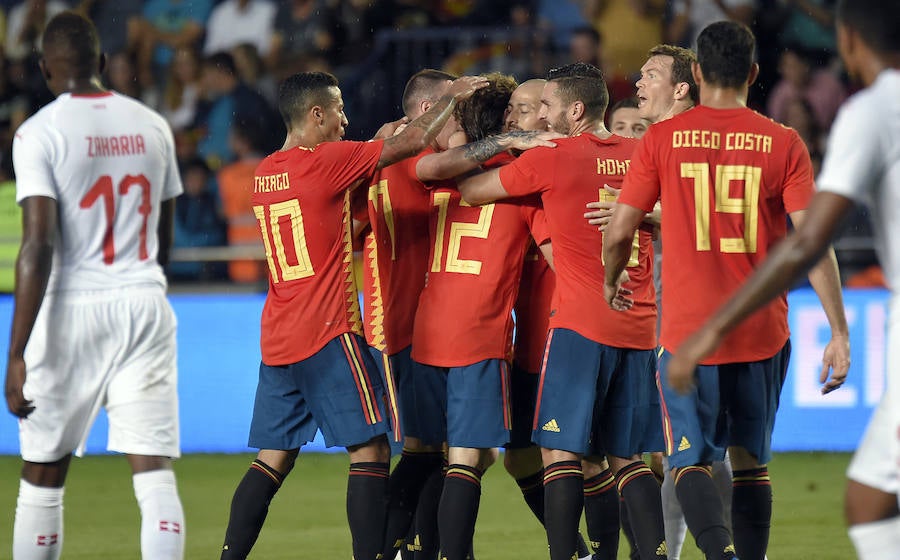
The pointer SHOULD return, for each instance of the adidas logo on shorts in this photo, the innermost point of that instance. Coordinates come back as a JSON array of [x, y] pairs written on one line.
[[551, 426]]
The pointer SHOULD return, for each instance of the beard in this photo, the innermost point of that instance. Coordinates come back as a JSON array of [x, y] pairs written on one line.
[[561, 126]]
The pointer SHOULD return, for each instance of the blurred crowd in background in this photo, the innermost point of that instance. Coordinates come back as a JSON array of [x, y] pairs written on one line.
[[212, 68]]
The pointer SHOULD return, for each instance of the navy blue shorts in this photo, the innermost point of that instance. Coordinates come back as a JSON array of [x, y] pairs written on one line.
[[523, 396], [337, 390], [590, 391], [414, 414], [731, 404], [473, 402]]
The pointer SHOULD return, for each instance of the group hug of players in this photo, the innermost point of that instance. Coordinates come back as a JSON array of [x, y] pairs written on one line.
[[472, 206]]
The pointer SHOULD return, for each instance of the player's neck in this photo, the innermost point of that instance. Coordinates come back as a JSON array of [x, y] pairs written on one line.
[[676, 109], [874, 64], [723, 98], [302, 139], [81, 86], [597, 128]]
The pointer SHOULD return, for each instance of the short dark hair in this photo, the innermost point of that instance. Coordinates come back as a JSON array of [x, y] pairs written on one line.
[[423, 84], [221, 61], [483, 113], [682, 59], [74, 35], [583, 82], [300, 92], [725, 53], [627, 103], [876, 22], [589, 31]]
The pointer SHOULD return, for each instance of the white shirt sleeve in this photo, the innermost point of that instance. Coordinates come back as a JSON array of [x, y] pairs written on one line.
[[33, 164], [173, 186], [854, 158]]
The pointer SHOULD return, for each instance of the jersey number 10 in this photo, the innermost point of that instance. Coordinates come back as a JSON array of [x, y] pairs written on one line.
[[103, 189], [289, 209]]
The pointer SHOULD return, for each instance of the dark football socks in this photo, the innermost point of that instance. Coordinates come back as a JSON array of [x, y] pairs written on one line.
[[703, 514], [426, 543], [532, 487], [751, 512], [640, 490], [625, 521], [367, 486], [458, 510], [405, 485], [601, 513], [563, 502], [249, 508]]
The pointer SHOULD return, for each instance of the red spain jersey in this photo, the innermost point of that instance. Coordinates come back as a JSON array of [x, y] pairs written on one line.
[[726, 180], [465, 311], [301, 199], [533, 310], [568, 177], [395, 254]]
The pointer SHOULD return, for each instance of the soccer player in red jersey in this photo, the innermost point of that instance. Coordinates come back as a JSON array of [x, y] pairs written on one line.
[[313, 374], [597, 390], [733, 176]]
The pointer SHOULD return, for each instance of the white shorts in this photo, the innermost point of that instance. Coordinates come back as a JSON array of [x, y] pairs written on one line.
[[112, 348], [876, 462]]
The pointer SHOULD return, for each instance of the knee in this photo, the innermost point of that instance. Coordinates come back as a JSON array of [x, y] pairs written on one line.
[[742, 460]]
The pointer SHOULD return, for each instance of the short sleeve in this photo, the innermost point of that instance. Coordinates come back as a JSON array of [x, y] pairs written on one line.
[[533, 212], [33, 164], [853, 160], [521, 177], [641, 187], [798, 185], [348, 161], [173, 186]]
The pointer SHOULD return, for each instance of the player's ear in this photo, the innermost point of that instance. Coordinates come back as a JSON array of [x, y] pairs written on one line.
[[576, 110], [318, 114], [754, 73], [697, 73], [682, 90]]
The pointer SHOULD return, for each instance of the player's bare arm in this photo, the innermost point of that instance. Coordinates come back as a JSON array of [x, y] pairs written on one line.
[[825, 279], [462, 159], [420, 132], [546, 249], [793, 257], [39, 219], [601, 211], [617, 241], [482, 188], [165, 231]]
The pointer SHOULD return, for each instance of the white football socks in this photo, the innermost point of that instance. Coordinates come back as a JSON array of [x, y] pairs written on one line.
[[877, 541], [162, 517], [38, 529]]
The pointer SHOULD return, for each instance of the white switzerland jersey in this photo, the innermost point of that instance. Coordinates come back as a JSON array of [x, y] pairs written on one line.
[[863, 164], [109, 162]]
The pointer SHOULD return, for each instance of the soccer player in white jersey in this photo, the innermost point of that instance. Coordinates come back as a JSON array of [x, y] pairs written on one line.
[[96, 175], [862, 164]]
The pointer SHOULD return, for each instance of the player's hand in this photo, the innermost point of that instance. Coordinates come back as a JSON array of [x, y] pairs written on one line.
[[681, 367], [15, 381], [617, 296], [463, 88], [602, 210], [391, 129], [836, 358], [522, 140]]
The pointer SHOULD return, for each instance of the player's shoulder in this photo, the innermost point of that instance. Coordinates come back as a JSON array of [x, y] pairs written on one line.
[[880, 99]]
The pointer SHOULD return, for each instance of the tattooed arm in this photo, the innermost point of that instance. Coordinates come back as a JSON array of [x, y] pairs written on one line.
[[420, 132], [457, 161]]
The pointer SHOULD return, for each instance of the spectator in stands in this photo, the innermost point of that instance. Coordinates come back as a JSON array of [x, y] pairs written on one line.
[[585, 44], [301, 29], [234, 22], [626, 52], [25, 25], [689, 17], [809, 23], [181, 92], [166, 26], [232, 103], [197, 223], [252, 71], [558, 18], [235, 187], [14, 110], [121, 76], [799, 115], [117, 22], [800, 80]]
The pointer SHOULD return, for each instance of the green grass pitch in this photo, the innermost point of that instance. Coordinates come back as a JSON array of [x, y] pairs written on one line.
[[307, 517]]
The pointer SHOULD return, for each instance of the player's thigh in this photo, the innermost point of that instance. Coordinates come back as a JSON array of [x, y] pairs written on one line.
[[523, 388], [629, 415], [412, 410], [69, 357], [691, 421], [427, 413], [875, 461], [566, 392], [478, 414], [344, 392], [142, 396], [751, 393]]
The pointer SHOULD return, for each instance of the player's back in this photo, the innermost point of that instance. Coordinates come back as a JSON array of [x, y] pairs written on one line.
[[109, 162], [728, 179]]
